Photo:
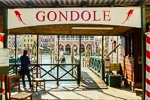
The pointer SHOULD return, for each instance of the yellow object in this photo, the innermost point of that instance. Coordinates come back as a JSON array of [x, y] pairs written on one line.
[[115, 67]]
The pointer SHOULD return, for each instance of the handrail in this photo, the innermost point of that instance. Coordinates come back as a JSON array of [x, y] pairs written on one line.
[[112, 50], [96, 65]]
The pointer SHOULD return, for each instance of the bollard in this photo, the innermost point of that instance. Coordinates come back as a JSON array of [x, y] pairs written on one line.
[[3, 87]]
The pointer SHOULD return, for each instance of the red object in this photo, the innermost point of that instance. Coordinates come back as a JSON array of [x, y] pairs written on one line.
[[3, 84], [149, 30], [1, 38], [147, 80]]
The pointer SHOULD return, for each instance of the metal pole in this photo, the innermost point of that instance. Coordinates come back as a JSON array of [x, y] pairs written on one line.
[[103, 74], [143, 49], [37, 50], [58, 61], [5, 30], [79, 67]]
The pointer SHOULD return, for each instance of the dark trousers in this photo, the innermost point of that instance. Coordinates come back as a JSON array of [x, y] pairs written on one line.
[[23, 73]]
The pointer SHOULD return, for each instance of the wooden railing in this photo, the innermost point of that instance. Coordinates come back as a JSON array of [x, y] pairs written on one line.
[[54, 73]]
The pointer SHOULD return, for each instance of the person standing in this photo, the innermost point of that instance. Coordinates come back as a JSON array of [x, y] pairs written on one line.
[[25, 62]]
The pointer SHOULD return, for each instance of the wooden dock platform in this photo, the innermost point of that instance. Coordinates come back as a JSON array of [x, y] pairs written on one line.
[[89, 80]]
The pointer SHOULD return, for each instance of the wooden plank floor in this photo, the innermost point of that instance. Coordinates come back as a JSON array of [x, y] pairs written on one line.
[[92, 88]]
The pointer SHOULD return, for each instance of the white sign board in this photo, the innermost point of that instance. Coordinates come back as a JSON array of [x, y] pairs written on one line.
[[120, 16], [4, 57]]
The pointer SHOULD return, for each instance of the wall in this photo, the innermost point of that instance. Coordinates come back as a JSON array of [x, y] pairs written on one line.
[[128, 54], [133, 53]]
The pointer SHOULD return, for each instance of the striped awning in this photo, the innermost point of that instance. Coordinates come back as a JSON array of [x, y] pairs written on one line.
[[71, 3]]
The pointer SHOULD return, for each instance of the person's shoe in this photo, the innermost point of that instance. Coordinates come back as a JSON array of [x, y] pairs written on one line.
[[24, 86], [31, 86]]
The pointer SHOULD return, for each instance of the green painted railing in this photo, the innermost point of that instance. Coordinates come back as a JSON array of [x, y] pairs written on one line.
[[96, 65]]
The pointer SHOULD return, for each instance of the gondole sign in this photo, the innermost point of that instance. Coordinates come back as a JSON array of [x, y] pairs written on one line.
[[121, 16]]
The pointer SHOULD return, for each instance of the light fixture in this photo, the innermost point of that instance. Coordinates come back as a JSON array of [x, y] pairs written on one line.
[[93, 28]]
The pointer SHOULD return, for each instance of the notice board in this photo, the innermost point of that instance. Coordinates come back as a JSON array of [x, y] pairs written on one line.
[[115, 67], [4, 57], [4, 61]]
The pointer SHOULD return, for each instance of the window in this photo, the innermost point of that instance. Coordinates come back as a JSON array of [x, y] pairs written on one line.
[[77, 37], [86, 37], [82, 37], [91, 37], [72, 37]]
